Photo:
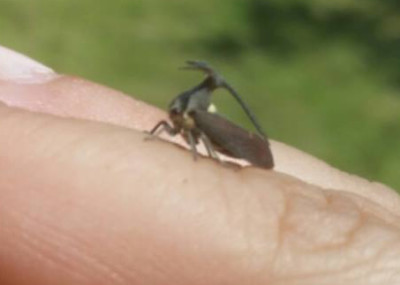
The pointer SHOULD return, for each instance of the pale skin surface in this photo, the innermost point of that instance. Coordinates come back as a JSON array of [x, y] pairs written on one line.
[[84, 201]]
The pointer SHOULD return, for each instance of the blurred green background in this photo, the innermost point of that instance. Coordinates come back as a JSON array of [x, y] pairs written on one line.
[[323, 76]]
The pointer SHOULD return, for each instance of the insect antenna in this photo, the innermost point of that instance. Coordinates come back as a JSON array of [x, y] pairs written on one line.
[[219, 81], [245, 108]]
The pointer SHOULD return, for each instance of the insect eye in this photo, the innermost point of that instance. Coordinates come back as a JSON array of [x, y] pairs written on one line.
[[173, 111]]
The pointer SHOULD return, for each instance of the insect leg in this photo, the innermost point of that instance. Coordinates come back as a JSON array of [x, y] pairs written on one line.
[[209, 147], [192, 143], [160, 128]]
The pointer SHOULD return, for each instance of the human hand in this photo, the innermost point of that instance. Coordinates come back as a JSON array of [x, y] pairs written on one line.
[[85, 200]]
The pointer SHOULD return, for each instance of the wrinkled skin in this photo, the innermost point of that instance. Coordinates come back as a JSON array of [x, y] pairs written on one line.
[[85, 200]]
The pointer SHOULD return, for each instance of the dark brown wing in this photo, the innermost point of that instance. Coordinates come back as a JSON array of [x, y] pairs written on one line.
[[233, 140]]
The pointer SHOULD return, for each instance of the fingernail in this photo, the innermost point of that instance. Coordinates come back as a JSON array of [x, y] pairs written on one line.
[[19, 68]]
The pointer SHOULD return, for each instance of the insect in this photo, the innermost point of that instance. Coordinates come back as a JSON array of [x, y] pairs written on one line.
[[192, 118]]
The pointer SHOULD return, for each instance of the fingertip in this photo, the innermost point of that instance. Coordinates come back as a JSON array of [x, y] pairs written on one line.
[[18, 68], [73, 97]]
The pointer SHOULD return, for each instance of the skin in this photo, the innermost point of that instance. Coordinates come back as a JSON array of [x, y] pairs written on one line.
[[86, 200]]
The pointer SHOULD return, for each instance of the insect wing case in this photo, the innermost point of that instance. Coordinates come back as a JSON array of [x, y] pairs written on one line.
[[233, 140]]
